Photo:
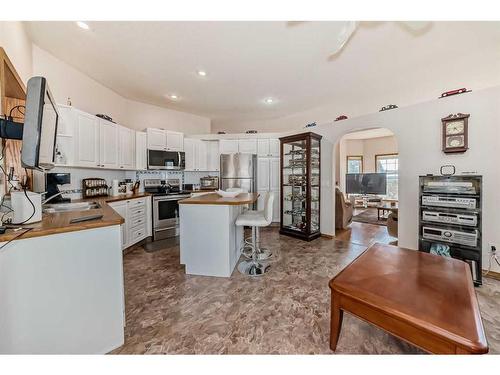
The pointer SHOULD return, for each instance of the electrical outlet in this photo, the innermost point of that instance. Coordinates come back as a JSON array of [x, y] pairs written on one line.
[[492, 248]]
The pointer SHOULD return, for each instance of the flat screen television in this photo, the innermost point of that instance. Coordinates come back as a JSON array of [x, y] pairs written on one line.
[[366, 183], [40, 126]]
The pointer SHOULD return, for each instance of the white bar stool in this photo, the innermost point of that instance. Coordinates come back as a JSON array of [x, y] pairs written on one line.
[[256, 219]]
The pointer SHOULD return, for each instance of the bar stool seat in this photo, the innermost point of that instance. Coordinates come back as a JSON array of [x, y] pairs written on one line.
[[256, 219]]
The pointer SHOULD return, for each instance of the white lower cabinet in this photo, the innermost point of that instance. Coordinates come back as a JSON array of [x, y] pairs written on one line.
[[268, 179], [137, 215]]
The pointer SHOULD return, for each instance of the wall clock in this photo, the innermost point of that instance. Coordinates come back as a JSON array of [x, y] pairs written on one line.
[[455, 133]]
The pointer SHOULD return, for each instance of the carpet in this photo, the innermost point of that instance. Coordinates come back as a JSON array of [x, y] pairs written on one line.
[[369, 216]]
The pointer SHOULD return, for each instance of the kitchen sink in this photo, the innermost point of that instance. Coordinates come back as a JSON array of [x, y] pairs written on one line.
[[67, 207]]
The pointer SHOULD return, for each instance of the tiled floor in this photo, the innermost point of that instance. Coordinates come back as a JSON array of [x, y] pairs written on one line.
[[287, 311]]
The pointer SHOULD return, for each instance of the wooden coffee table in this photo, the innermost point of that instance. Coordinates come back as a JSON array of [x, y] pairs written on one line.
[[424, 299], [386, 207]]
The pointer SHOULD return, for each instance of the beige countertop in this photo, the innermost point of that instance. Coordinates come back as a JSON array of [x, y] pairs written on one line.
[[214, 198], [59, 222]]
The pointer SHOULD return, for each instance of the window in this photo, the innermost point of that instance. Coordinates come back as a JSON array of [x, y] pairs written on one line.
[[389, 164], [354, 164]]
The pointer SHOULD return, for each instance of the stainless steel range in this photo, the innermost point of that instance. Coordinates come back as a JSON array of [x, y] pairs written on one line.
[[166, 195]]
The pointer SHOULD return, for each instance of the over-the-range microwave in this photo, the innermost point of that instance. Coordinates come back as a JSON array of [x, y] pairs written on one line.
[[173, 160]]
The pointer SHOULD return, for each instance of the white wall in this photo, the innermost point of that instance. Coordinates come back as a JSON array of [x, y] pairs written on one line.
[[91, 96], [17, 45], [417, 129], [377, 146]]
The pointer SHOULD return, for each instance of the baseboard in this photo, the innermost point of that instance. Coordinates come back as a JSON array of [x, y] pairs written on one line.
[[492, 275], [328, 236]]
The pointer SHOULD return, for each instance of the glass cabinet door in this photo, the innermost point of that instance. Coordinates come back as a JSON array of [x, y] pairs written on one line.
[[300, 185], [315, 183], [295, 185]]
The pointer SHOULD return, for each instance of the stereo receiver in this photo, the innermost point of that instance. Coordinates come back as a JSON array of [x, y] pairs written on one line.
[[449, 235], [449, 218], [454, 202]]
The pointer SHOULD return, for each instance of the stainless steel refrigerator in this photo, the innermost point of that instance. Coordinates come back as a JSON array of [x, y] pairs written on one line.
[[238, 171]]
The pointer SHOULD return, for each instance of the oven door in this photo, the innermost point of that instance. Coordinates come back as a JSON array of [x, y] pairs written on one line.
[[165, 217], [166, 160]]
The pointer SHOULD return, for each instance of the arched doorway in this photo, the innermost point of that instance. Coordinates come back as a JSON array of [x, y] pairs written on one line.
[[367, 186]]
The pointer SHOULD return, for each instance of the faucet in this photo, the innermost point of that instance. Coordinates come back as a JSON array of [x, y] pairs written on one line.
[[51, 197]]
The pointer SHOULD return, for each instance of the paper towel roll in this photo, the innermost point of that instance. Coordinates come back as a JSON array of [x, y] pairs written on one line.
[[114, 188]]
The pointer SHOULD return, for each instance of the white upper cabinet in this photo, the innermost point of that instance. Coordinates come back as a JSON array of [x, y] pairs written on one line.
[[201, 155], [274, 174], [108, 144], [268, 147], [175, 141], [247, 146], [126, 148], [157, 139], [161, 139], [263, 147], [190, 154], [141, 157], [228, 146], [274, 147], [213, 155], [198, 154], [263, 174], [87, 139]]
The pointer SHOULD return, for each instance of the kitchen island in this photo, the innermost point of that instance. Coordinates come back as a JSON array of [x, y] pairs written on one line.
[[210, 241], [61, 283]]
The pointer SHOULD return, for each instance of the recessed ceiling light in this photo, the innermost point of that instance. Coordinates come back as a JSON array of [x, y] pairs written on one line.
[[269, 100], [202, 73], [82, 25], [173, 97]]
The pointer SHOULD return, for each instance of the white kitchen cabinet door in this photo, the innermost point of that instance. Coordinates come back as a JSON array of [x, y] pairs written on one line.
[[108, 144], [87, 140], [121, 208], [157, 139], [201, 155], [274, 147], [228, 146], [190, 154], [174, 141], [263, 174], [274, 174], [263, 147], [213, 155], [141, 157], [126, 148], [247, 146]]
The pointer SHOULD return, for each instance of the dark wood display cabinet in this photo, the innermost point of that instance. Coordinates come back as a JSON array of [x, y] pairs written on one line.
[[300, 185]]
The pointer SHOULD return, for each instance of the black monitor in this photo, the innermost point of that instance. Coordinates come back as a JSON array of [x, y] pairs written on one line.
[[40, 126], [366, 183]]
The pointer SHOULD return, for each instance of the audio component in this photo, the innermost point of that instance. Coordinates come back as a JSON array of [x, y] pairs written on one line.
[[449, 235], [449, 218], [454, 187], [454, 202]]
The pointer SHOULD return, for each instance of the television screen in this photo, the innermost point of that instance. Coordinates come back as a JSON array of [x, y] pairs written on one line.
[[40, 126], [366, 183]]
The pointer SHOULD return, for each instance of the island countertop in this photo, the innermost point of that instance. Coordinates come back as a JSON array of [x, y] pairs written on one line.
[[214, 198]]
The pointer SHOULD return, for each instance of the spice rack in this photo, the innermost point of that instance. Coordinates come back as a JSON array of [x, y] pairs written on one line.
[[94, 187]]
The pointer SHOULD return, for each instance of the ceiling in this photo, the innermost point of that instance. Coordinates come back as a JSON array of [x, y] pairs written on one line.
[[246, 62]]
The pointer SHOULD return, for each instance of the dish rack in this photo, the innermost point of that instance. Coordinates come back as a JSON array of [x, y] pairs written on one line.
[[94, 187]]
